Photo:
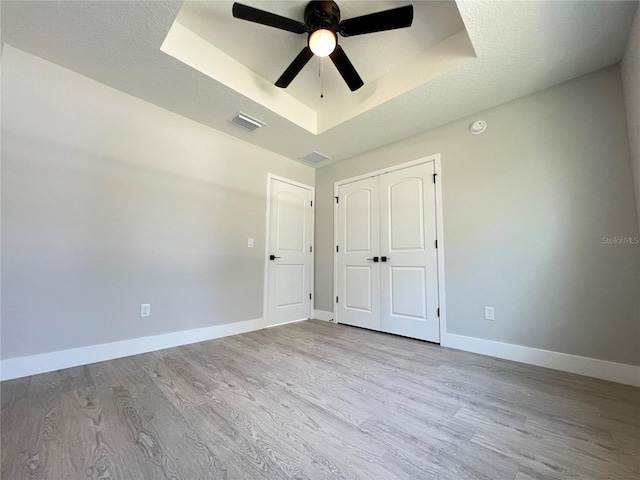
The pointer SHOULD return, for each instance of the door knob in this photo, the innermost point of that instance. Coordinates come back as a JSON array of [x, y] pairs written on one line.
[[273, 257], [375, 259], [384, 259]]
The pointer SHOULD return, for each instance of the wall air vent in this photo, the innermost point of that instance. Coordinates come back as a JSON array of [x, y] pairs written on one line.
[[245, 121], [315, 157]]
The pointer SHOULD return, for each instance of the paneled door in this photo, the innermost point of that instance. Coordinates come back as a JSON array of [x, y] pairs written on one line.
[[409, 266], [387, 253], [289, 249], [359, 254]]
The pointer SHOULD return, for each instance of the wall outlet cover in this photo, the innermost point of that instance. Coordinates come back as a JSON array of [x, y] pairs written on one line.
[[489, 313]]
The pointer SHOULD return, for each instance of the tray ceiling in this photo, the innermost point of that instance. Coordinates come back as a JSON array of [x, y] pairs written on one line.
[[249, 57]]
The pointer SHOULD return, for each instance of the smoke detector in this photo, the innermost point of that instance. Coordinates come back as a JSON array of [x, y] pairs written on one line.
[[478, 127]]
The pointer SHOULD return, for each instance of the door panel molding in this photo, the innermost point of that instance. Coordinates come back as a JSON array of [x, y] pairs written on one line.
[[352, 227], [361, 300], [397, 294], [286, 242], [395, 206]]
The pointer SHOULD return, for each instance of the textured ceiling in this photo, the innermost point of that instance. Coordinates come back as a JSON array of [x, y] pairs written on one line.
[[521, 47]]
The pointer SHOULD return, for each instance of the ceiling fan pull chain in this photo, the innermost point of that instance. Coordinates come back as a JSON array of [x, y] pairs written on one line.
[[321, 77]]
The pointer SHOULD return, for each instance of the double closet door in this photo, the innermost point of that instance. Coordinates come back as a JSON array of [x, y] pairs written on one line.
[[387, 259]]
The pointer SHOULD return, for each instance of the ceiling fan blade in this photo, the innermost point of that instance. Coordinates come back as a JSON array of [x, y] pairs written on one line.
[[294, 69], [346, 69], [255, 15], [400, 17]]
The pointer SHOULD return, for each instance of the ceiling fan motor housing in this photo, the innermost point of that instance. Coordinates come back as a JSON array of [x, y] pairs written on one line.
[[322, 15]]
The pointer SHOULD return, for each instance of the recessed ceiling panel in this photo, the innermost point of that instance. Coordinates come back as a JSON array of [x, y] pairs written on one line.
[[390, 63]]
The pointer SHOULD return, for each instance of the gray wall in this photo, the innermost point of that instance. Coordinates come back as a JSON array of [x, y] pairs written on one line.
[[109, 202], [526, 206], [631, 88]]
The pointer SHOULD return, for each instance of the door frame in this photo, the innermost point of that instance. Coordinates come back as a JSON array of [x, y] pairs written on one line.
[[265, 306], [439, 231]]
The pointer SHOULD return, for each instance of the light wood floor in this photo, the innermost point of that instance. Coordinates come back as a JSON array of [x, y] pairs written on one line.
[[315, 400]]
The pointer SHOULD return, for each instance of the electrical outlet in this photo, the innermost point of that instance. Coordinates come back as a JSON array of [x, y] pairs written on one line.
[[489, 313], [145, 310], [250, 243]]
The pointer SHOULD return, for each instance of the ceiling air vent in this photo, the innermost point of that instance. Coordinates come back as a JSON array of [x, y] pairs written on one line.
[[315, 158], [245, 121]]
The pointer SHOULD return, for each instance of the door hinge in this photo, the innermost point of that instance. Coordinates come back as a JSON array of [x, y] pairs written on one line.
[[337, 248], [311, 249], [336, 299], [309, 296], [434, 177], [438, 311], [436, 243], [337, 200], [312, 203]]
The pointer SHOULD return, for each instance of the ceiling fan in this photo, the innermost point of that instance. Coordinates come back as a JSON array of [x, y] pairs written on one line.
[[322, 24]]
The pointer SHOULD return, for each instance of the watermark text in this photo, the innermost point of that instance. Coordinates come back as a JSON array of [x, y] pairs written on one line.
[[620, 240]]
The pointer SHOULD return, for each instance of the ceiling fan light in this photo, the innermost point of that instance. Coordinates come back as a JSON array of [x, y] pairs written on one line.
[[322, 42]]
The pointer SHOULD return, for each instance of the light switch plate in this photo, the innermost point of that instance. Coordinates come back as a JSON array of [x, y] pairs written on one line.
[[250, 243], [145, 310]]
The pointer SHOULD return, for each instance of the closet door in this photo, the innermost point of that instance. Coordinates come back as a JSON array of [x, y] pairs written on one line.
[[409, 275], [358, 246]]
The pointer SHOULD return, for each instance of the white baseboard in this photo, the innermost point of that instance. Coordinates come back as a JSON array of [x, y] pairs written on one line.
[[323, 315], [287, 322], [591, 367], [48, 362]]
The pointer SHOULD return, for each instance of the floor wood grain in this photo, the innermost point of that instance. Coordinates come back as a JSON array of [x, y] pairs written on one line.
[[314, 400]]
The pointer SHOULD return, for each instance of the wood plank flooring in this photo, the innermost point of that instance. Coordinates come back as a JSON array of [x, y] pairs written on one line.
[[314, 400]]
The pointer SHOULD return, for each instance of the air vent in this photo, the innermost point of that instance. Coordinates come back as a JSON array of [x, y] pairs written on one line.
[[315, 157], [245, 121]]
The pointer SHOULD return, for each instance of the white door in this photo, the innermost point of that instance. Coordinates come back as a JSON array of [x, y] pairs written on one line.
[[358, 247], [409, 276], [387, 258], [289, 248]]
